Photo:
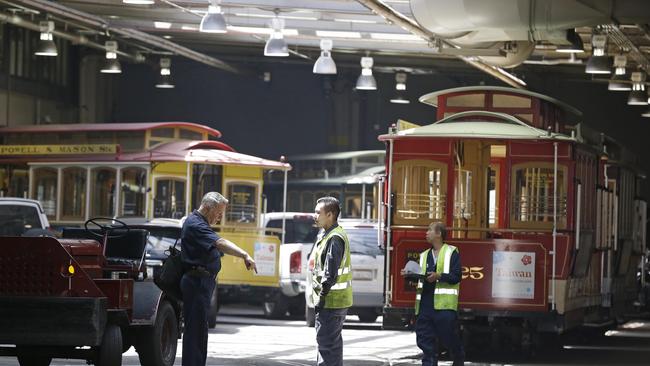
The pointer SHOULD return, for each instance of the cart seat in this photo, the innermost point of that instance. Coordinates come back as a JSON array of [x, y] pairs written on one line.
[[123, 250]]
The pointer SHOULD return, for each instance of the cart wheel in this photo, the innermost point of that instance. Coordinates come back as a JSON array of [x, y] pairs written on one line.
[[157, 345], [32, 357], [109, 352]]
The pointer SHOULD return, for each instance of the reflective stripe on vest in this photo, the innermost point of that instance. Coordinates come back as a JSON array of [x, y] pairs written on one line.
[[340, 295], [445, 295]]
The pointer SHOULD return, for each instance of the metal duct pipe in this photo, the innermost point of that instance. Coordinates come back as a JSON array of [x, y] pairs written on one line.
[[409, 25], [99, 22], [76, 39]]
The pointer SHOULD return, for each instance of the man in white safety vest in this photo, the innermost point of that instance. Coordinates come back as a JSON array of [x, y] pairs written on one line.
[[436, 302]]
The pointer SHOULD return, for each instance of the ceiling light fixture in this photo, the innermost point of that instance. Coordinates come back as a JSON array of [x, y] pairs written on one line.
[[165, 80], [620, 62], [46, 46], [638, 94], [111, 63], [325, 64], [213, 21], [400, 89], [338, 34], [646, 113], [366, 81], [599, 63], [138, 2], [575, 46], [162, 25], [276, 46], [618, 83]]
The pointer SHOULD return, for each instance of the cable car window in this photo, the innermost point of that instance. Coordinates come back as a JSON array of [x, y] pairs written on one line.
[[466, 100], [510, 101], [419, 188], [190, 135], [205, 178], [532, 195], [463, 197], [170, 198], [163, 132], [242, 205], [134, 186], [130, 140], [45, 189], [102, 192], [73, 206]]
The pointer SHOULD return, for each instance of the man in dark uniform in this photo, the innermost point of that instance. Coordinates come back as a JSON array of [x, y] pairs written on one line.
[[201, 252], [331, 282], [436, 303]]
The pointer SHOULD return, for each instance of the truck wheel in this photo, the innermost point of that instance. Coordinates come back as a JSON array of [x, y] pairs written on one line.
[[297, 306], [368, 316], [214, 309], [310, 316], [109, 352], [276, 308], [32, 357], [157, 345]]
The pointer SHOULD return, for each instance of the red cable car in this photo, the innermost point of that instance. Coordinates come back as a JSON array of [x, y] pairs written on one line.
[[546, 213]]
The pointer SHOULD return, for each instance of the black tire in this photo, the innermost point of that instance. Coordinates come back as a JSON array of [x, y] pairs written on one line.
[[310, 316], [109, 352], [32, 357], [276, 307], [297, 306], [368, 316], [157, 345], [214, 309]]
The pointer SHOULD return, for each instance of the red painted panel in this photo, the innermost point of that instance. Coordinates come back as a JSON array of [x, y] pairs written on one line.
[[39, 267], [477, 290], [119, 292], [538, 149], [416, 148]]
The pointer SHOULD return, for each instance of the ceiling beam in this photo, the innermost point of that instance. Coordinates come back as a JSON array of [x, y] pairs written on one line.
[[410, 25]]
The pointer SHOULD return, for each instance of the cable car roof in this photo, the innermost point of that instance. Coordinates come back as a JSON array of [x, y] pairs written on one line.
[[432, 98], [200, 152], [91, 127], [476, 125]]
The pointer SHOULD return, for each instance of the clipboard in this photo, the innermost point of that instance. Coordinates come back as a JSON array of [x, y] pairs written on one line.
[[414, 276]]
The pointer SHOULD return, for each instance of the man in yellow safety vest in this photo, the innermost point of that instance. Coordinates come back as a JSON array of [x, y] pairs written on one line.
[[331, 282], [436, 302]]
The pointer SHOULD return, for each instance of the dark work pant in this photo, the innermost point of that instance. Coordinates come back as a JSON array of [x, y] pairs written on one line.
[[329, 323], [438, 325], [197, 292]]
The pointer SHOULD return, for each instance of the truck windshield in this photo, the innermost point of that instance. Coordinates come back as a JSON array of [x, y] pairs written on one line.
[[363, 241], [161, 238], [299, 230], [15, 220]]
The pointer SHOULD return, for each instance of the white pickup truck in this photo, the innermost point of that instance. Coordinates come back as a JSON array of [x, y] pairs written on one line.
[[299, 238], [23, 217]]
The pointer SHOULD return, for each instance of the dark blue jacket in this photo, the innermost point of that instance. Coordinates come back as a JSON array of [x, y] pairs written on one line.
[[198, 244]]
